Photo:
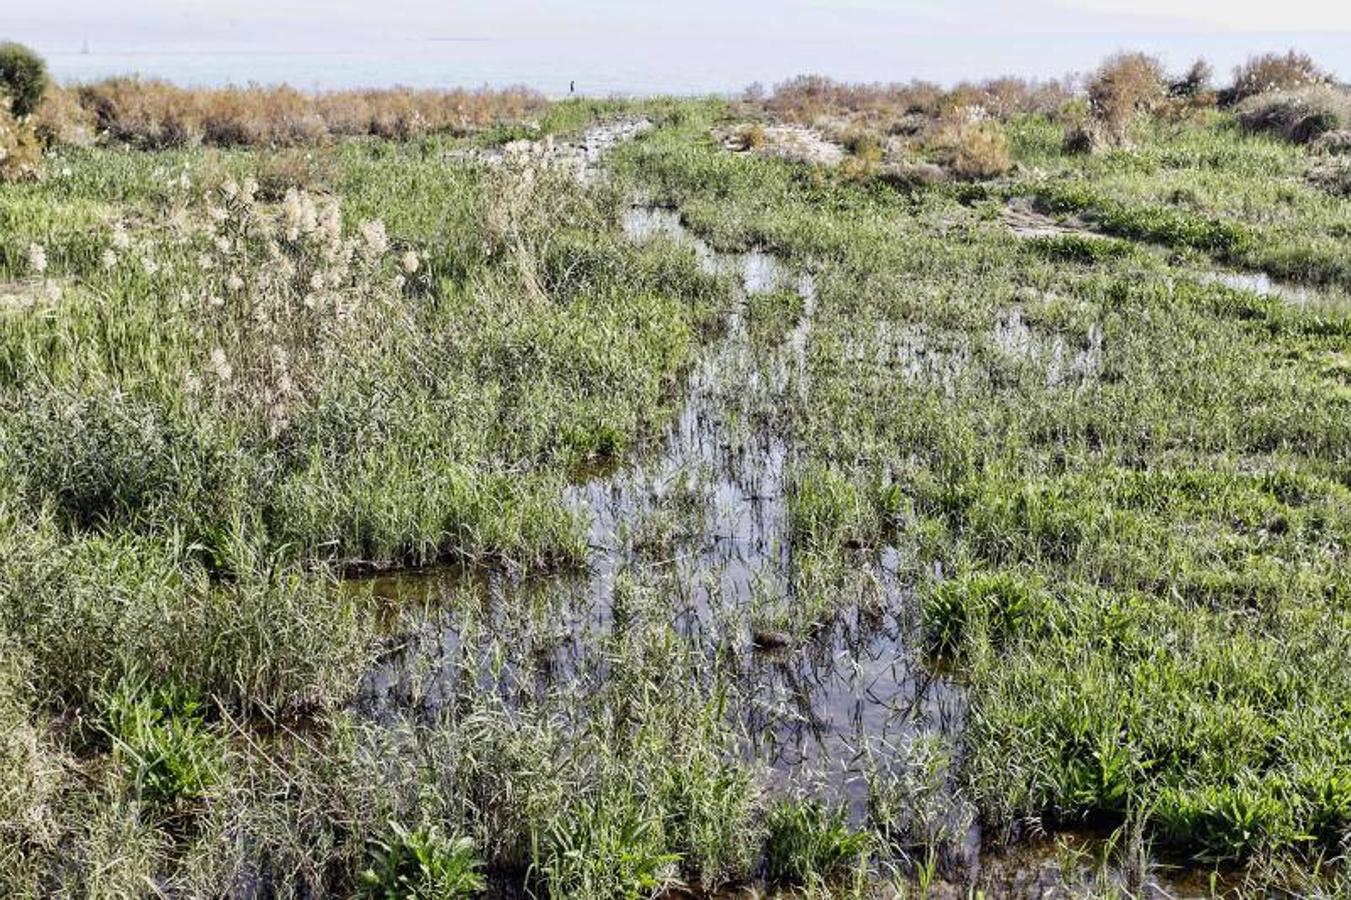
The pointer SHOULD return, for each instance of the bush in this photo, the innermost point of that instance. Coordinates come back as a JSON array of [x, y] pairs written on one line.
[[154, 114], [1195, 82], [1302, 115], [145, 113], [1333, 143], [1274, 72], [1125, 87], [20, 149], [23, 78], [60, 119], [977, 150]]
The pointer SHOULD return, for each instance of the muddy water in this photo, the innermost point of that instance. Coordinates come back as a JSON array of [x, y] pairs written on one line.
[[583, 156], [1263, 284]]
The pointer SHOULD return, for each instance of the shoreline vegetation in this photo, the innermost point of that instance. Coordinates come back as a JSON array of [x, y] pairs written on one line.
[[835, 491]]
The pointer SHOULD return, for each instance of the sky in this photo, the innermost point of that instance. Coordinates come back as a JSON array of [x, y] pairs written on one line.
[[648, 45]]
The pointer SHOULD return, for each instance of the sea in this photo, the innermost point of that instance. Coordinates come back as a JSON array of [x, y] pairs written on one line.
[[640, 66]]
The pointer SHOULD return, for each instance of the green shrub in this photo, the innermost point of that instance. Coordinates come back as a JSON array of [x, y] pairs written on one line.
[[422, 864], [23, 78]]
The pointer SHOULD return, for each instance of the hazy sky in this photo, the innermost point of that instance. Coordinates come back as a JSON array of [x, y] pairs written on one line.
[[891, 39], [532, 18]]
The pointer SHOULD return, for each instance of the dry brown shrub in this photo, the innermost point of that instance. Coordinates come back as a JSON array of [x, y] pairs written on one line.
[[145, 113], [1194, 82], [1275, 72], [1125, 87], [60, 119], [20, 148], [750, 136], [1302, 115], [976, 150], [811, 99], [298, 168], [914, 174], [151, 113], [256, 116]]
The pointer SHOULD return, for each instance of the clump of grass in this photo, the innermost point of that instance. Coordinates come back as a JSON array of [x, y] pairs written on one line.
[[29, 765], [1002, 603], [809, 844], [159, 734], [296, 168], [422, 864], [1080, 248]]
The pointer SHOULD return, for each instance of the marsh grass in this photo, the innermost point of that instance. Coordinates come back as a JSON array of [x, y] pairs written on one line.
[[1112, 530], [1113, 497]]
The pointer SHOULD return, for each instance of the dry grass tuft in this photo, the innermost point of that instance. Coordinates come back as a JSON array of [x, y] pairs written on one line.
[[749, 137], [1333, 143], [976, 150]]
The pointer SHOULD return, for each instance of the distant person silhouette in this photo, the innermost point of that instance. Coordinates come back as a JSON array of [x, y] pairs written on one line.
[[572, 87]]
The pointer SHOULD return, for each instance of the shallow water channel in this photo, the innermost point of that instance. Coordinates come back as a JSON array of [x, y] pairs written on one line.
[[701, 516], [705, 509]]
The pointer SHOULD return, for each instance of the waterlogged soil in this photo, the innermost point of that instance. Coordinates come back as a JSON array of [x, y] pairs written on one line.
[[582, 156], [797, 143], [1028, 223], [700, 515], [703, 511]]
